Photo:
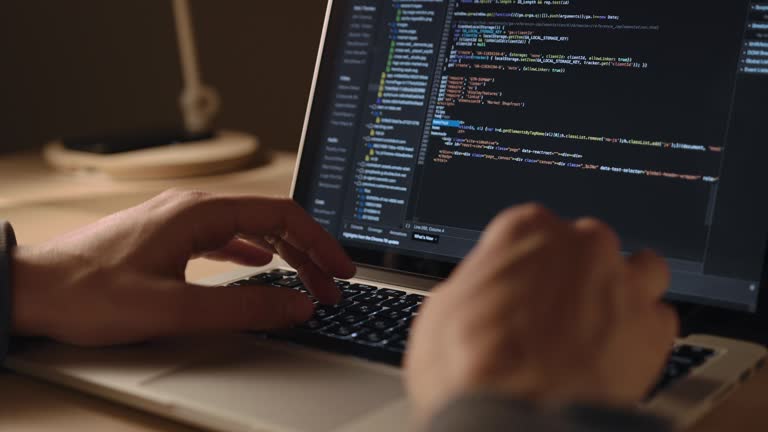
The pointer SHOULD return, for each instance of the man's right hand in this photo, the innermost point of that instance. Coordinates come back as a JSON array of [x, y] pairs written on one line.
[[544, 310]]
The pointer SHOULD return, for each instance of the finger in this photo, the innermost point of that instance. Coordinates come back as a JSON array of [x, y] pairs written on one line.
[[598, 254], [600, 238], [242, 252], [657, 333], [289, 222], [318, 282], [520, 221], [225, 217], [262, 243], [188, 309], [511, 234], [659, 327], [670, 321], [647, 276]]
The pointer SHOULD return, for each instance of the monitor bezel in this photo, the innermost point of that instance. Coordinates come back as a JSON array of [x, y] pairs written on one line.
[[421, 265]]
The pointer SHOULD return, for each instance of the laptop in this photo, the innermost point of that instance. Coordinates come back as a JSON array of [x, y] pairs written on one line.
[[428, 117]]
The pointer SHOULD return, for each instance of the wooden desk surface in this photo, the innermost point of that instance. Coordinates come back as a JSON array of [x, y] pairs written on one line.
[[43, 204]]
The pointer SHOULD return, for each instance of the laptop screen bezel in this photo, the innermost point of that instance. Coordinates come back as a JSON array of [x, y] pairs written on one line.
[[429, 266], [435, 267]]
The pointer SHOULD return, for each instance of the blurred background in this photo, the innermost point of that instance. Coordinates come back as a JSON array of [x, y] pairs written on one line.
[[95, 67]]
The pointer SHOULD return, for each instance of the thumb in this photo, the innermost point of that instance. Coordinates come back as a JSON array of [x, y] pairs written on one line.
[[194, 309]]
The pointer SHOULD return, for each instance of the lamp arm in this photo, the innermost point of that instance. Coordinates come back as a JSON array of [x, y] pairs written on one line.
[[199, 103]]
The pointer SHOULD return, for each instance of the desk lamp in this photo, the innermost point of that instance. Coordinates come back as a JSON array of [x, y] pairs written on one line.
[[197, 151]]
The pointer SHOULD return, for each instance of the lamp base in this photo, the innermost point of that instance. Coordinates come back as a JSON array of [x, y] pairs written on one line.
[[223, 152]]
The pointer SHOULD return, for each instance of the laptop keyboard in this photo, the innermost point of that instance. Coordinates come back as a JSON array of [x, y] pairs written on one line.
[[683, 360], [374, 323]]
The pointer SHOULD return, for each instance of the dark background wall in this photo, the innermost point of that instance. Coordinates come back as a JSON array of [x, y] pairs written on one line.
[[85, 67]]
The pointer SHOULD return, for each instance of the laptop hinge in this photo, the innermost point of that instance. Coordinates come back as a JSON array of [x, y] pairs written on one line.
[[411, 281]]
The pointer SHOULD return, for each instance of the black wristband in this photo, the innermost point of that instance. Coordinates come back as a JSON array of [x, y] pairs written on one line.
[[7, 244]]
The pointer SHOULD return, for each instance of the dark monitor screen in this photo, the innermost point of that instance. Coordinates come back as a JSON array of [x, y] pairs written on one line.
[[431, 116]]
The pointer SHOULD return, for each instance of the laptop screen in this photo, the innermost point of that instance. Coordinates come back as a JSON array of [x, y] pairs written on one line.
[[431, 116]]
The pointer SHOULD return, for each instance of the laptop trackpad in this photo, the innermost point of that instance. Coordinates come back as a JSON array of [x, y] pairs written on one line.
[[287, 388]]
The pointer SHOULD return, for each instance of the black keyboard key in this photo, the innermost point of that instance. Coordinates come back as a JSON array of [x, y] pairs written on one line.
[[349, 318], [416, 298], [682, 362], [346, 303], [391, 292], [691, 356], [325, 312], [349, 293], [363, 287], [330, 328], [372, 337], [248, 282], [397, 344], [285, 273], [265, 278], [673, 371], [706, 352], [695, 351], [398, 303], [365, 309], [314, 324], [289, 282], [393, 314], [377, 323], [372, 298], [341, 283], [400, 330], [413, 310], [344, 331], [697, 355]]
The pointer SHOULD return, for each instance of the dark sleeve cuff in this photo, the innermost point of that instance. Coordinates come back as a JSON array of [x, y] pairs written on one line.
[[7, 243], [492, 413]]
